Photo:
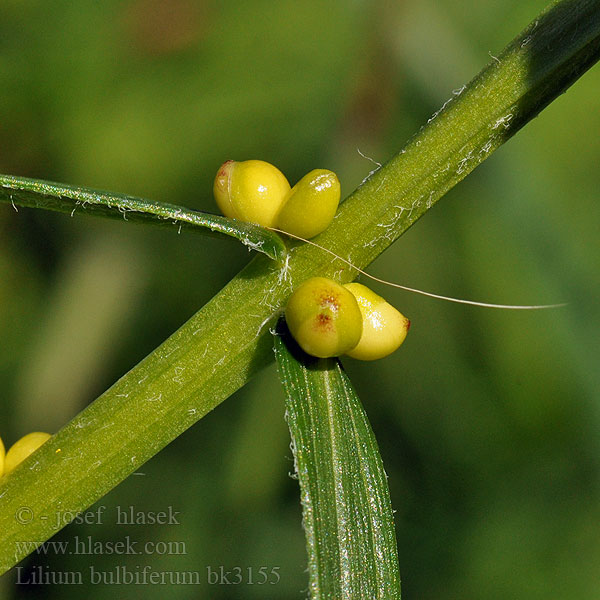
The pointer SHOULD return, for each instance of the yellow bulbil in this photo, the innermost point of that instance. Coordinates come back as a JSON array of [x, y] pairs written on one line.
[[2, 454], [21, 449], [384, 328], [257, 192], [324, 318], [310, 205], [251, 191]]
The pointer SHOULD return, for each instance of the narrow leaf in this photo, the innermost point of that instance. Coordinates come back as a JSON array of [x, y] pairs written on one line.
[[346, 505], [36, 193]]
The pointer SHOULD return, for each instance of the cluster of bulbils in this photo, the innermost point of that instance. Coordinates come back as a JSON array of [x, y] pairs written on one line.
[[20, 450], [257, 192], [325, 318]]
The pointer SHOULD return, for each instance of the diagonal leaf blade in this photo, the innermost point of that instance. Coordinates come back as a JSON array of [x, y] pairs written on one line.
[[346, 504], [60, 197]]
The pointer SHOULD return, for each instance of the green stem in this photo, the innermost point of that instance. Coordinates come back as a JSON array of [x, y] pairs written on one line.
[[228, 340]]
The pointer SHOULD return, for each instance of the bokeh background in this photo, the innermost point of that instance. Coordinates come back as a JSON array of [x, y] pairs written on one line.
[[487, 420]]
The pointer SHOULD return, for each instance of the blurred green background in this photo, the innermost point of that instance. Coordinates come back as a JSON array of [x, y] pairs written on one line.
[[487, 420]]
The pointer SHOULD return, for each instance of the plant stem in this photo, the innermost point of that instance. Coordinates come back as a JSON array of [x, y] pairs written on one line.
[[228, 340]]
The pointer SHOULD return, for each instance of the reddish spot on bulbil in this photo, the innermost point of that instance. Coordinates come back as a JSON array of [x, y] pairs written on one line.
[[323, 321], [224, 168], [330, 301]]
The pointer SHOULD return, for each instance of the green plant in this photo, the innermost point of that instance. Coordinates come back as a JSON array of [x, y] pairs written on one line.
[[536, 67]]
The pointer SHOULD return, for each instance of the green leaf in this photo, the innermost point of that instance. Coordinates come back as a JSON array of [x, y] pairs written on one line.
[[346, 505], [60, 197]]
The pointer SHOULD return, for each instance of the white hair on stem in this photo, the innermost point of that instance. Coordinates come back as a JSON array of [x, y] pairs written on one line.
[[422, 292]]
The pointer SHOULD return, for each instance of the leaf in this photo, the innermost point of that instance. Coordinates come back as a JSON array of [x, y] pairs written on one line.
[[36, 193], [346, 505]]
